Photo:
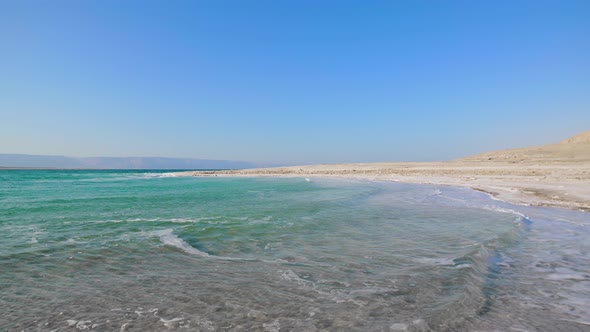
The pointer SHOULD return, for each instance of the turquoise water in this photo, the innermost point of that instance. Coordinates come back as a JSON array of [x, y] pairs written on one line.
[[146, 251]]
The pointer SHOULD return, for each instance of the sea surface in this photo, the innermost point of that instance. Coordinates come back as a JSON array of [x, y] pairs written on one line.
[[147, 251]]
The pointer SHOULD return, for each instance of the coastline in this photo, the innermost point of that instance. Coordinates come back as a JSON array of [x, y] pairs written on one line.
[[382, 251], [558, 184]]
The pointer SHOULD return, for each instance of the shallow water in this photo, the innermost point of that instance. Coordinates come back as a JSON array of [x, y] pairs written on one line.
[[137, 251]]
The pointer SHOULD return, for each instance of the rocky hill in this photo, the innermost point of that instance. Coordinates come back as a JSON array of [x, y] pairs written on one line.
[[573, 149]]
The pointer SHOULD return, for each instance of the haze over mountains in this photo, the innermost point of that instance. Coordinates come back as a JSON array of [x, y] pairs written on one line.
[[573, 149], [40, 161]]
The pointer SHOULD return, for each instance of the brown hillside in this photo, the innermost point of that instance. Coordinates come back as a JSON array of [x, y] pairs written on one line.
[[573, 149]]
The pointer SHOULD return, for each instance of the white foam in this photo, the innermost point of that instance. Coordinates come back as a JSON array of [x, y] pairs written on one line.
[[83, 325], [275, 326], [289, 275], [174, 220], [140, 313], [168, 238], [80, 324], [436, 261], [186, 220], [504, 210], [160, 175], [169, 322]]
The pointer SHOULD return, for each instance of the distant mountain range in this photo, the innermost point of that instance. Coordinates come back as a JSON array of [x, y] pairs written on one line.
[[40, 161]]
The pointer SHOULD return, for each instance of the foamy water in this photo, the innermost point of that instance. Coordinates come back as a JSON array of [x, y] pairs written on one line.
[[144, 251]]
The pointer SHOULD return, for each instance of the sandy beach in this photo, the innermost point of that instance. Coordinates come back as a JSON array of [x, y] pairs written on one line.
[[556, 175]]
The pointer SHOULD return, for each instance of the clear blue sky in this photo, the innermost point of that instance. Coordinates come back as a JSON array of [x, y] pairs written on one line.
[[291, 81]]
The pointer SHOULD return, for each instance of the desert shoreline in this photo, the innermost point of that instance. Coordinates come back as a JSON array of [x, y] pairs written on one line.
[[504, 185], [554, 175]]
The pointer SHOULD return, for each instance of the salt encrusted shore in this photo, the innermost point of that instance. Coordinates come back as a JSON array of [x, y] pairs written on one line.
[[556, 175]]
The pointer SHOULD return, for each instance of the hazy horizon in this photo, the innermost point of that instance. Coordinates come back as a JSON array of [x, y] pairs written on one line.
[[291, 82], [103, 162], [19, 160]]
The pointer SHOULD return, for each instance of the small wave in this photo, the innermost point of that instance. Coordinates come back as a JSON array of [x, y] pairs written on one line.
[[477, 274], [465, 201], [168, 238], [436, 261], [572, 222], [289, 275], [522, 217], [159, 175], [163, 220]]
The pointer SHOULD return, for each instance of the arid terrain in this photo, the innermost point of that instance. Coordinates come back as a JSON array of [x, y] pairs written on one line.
[[552, 175]]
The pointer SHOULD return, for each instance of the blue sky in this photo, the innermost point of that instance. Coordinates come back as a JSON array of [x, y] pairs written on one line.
[[291, 81]]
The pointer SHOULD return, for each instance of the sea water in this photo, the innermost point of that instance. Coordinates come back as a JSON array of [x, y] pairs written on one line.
[[146, 251]]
